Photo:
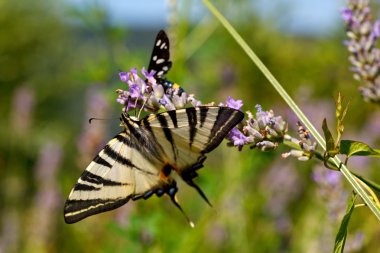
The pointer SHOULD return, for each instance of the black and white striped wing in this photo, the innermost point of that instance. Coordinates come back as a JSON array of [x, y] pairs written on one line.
[[117, 174], [159, 60], [186, 135]]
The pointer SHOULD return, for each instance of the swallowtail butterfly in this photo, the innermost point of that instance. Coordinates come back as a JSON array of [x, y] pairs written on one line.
[[140, 161], [160, 62]]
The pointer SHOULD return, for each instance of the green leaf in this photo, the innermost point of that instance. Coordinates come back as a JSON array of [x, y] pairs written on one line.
[[357, 148], [330, 145], [341, 236], [368, 182]]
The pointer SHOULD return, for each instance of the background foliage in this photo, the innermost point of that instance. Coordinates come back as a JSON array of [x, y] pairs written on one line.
[[59, 66]]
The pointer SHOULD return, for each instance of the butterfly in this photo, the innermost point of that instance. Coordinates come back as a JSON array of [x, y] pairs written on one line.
[[160, 62], [140, 161]]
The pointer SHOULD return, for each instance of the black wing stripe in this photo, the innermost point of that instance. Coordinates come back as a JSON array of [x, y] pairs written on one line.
[[143, 138], [164, 125], [168, 134], [88, 177], [91, 178], [101, 161], [226, 119], [122, 160], [192, 119], [203, 114], [173, 116], [76, 210]]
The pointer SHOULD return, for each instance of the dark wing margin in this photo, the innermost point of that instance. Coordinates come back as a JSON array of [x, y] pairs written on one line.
[[98, 190], [226, 119], [160, 58]]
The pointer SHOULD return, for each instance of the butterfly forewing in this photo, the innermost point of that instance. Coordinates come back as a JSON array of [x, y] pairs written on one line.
[[159, 61], [186, 135]]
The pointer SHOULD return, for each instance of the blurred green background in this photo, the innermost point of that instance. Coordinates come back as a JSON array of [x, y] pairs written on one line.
[[59, 64]]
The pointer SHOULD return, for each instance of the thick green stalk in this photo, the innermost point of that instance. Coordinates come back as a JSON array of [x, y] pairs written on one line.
[[350, 178]]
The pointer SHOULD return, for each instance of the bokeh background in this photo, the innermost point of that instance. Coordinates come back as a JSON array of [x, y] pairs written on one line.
[[59, 64]]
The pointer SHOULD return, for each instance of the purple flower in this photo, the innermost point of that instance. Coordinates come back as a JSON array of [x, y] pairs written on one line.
[[123, 96], [124, 76], [237, 137], [235, 104], [133, 71], [135, 91], [347, 15], [149, 75], [375, 33]]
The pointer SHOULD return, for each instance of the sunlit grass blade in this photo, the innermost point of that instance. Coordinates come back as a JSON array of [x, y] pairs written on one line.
[[350, 178]]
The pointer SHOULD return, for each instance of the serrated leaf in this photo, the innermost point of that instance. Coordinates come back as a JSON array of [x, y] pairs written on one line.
[[357, 148], [341, 236], [330, 145]]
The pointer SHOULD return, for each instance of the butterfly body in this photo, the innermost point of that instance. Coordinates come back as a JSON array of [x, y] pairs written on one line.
[[140, 161]]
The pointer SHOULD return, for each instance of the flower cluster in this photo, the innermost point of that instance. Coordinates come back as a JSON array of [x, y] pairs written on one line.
[[265, 132], [307, 147], [362, 36], [148, 94]]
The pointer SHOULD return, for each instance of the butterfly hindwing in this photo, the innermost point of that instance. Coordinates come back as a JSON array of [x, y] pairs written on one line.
[[159, 60], [120, 172]]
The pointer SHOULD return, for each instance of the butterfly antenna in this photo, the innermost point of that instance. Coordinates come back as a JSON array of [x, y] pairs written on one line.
[[175, 201], [192, 184], [91, 119]]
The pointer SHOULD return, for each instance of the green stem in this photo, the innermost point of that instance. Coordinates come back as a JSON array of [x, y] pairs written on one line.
[[320, 157], [350, 178]]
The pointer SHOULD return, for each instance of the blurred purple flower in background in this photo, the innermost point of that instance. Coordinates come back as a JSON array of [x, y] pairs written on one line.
[[330, 188], [42, 218], [23, 107], [362, 36], [92, 136]]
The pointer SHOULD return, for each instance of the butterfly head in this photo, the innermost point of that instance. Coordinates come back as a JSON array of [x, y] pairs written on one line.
[[129, 121]]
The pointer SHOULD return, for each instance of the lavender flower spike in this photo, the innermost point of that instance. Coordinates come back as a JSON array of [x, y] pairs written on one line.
[[264, 132], [362, 36]]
